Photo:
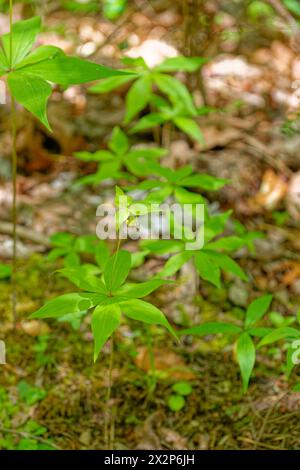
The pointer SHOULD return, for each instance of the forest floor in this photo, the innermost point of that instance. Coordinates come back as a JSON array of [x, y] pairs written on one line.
[[52, 395]]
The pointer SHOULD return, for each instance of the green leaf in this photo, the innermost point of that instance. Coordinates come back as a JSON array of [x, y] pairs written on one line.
[[176, 91], [189, 127], [100, 156], [140, 290], [216, 225], [112, 9], [207, 182], [39, 55], [105, 320], [246, 358], [4, 66], [30, 394], [162, 247], [137, 62], [228, 244], [182, 388], [207, 269], [84, 278], [175, 263], [101, 254], [24, 34], [260, 332], [119, 143], [5, 271], [212, 328], [181, 173], [184, 64], [64, 304], [116, 270], [226, 263], [111, 83], [296, 388], [148, 122], [293, 6], [176, 402], [72, 260], [145, 312], [147, 153], [138, 97], [257, 309], [159, 196], [62, 239], [65, 70], [285, 332], [183, 196], [32, 92]]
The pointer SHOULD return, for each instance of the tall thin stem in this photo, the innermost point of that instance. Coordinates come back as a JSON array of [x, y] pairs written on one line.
[[108, 438], [152, 381], [110, 413], [14, 174], [14, 208]]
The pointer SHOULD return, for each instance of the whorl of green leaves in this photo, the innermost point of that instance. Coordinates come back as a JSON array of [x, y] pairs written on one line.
[[30, 73]]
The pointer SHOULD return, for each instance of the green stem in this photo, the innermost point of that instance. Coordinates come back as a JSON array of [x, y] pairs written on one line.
[[14, 208], [152, 385], [108, 439], [110, 414], [14, 175]]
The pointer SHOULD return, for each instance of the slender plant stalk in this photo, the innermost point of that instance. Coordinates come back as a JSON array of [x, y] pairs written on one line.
[[14, 176], [14, 209], [110, 414], [152, 382]]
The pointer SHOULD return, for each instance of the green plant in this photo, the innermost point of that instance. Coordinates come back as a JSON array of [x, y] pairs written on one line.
[[29, 74], [29, 435], [209, 261], [120, 155], [5, 271], [113, 9], [245, 346], [30, 394], [179, 107], [107, 298], [177, 183], [177, 401]]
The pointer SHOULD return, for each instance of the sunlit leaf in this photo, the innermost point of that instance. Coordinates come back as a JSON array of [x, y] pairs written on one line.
[[24, 34], [212, 328], [32, 92], [105, 320], [116, 270], [137, 97], [64, 304], [257, 309], [246, 358], [285, 332], [145, 312]]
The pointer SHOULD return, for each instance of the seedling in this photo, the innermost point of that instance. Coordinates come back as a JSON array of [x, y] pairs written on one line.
[[177, 183], [119, 156], [179, 107], [245, 346], [210, 261], [177, 400]]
